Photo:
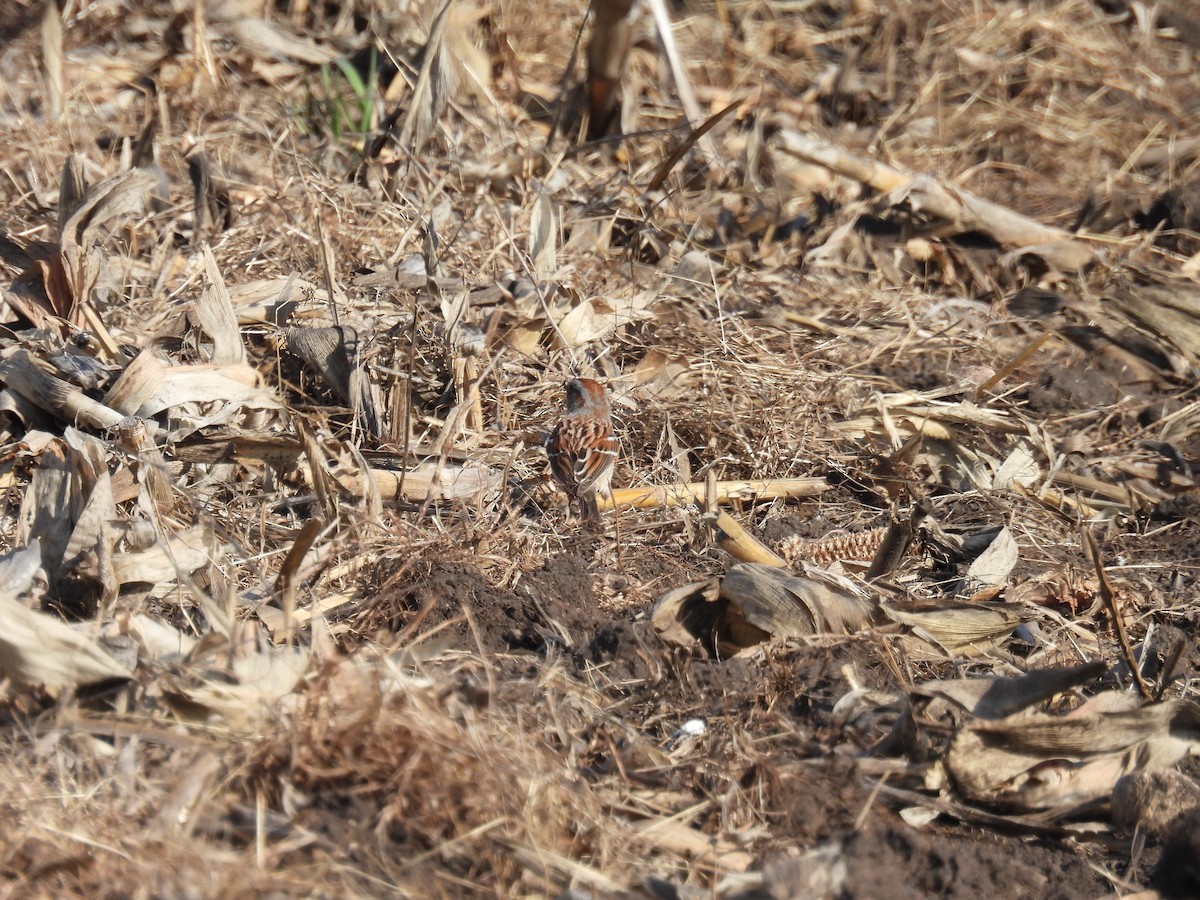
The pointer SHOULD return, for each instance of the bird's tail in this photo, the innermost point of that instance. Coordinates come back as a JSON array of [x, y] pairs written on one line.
[[589, 509]]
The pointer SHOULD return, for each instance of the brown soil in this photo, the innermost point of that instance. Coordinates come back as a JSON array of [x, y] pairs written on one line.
[[476, 701], [811, 792]]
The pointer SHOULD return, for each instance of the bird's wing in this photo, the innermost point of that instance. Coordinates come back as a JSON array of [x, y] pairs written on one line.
[[583, 453]]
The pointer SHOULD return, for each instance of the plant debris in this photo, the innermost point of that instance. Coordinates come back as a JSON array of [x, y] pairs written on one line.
[[896, 305]]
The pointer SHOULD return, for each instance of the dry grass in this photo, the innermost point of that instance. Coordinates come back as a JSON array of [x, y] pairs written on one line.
[[480, 706]]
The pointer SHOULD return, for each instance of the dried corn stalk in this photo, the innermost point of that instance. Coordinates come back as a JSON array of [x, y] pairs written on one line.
[[608, 50]]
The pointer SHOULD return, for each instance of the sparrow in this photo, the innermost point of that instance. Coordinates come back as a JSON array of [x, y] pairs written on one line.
[[582, 448]]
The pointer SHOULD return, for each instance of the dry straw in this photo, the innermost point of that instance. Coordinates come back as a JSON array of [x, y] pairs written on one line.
[[895, 303]]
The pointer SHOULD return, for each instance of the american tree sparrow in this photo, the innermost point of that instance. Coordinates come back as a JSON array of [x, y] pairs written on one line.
[[583, 449]]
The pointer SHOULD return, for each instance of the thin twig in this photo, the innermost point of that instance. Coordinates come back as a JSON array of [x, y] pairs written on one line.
[[1109, 595]]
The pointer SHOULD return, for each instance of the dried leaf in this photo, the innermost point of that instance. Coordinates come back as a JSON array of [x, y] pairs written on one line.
[[18, 568], [212, 207], [156, 639], [670, 833], [52, 59], [46, 515], [1045, 762], [181, 553], [961, 628], [597, 318], [679, 75], [273, 39], [997, 697], [754, 602], [1019, 468], [993, 566], [251, 692], [788, 605], [72, 189], [434, 86], [690, 613], [139, 382], [1170, 311], [89, 550], [39, 649], [543, 237], [234, 386], [118, 195], [214, 313], [333, 354]]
